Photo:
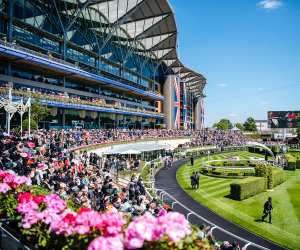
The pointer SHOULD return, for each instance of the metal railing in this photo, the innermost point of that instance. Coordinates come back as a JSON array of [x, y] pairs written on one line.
[[162, 194], [9, 242]]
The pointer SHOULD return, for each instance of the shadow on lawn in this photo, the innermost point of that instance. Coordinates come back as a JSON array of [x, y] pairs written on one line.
[[259, 220]]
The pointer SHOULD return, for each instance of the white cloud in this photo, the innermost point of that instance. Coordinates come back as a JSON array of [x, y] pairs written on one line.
[[260, 89], [223, 85], [269, 4], [233, 115]]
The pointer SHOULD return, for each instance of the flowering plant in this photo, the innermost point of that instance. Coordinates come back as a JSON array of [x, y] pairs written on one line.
[[45, 219]]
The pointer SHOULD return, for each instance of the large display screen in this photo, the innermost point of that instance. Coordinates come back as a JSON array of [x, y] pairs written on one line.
[[284, 119]]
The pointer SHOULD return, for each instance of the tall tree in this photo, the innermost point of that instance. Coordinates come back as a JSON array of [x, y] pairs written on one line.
[[223, 124], [239, 126], [250, 125]]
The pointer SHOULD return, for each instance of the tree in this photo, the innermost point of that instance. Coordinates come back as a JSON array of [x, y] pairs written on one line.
[[240, 126], [33, 124], [250, 125], [223, 124], [39, 111], [298, 132]]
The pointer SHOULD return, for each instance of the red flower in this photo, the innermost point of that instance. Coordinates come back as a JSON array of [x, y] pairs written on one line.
[[69, 218], [24, 197], [39, 199], [84, 209], [3, 175]]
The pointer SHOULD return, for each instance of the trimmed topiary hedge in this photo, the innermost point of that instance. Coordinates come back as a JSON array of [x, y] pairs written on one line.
[[247, 188], [298, 164], [291, 165], [278, 177]]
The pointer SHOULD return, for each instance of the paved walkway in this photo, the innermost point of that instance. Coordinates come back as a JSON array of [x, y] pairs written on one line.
[[166, 180]]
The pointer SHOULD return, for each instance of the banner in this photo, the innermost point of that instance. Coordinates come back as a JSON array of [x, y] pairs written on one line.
[[202, 113], [185, 125], [176, 106]]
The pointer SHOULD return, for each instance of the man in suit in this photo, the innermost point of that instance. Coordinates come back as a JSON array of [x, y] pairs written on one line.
[[267, 210]]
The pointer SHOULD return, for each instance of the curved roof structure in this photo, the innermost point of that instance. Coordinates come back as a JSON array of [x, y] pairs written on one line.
[[149, 25]]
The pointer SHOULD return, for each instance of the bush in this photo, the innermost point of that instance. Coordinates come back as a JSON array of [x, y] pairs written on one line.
[[298, 164], [278, 177], [33, 124], [291, 165], [247, 188]]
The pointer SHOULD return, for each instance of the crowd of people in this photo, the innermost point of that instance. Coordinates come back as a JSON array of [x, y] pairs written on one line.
[[86, 179], [49, 157], [219, 138]]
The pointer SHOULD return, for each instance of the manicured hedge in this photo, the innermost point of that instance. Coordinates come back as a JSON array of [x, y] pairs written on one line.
[[247, 188], [298, 164], [278, 177], [291, 165]]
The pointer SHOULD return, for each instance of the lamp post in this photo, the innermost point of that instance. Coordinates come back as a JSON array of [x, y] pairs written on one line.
[[29, 114]]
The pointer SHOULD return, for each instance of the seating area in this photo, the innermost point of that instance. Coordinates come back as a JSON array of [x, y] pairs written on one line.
[[72, 99]]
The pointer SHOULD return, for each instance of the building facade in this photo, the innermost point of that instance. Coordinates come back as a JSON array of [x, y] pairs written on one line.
[[99, 63]]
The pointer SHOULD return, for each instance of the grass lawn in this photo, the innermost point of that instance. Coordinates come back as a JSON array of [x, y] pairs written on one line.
[[213, 193]]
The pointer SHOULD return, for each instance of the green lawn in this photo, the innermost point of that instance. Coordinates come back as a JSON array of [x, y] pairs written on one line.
[[213, 193]]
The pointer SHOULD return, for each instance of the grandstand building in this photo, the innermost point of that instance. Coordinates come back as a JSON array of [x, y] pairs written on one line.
[[99, 63]]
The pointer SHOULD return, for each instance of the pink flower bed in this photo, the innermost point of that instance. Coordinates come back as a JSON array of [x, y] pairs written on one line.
[[109, 229]]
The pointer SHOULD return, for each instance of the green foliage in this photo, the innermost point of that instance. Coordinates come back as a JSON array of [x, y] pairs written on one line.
[[38, 233], [261, 170], [38, 111], [8, 205], [240, 126], [247, 188], [278, 177], [223, 124], [298, 164], [33, 124], [250, 125], [275, 149], [291, 165], [272, 175]]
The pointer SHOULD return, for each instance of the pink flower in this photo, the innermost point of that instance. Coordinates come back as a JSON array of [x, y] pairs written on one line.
[[3, 174], [50, 215], [106, 243], [4, 188], [53, 201], [174, 225], [9, 179], [143, 228], [26, 207], [82, 229], [20, 180], [31, 218], [112, 223]]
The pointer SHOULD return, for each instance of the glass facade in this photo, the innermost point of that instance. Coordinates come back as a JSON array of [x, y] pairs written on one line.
[[115, 53]]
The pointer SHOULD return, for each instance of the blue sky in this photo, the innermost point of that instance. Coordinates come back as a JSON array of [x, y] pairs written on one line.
[[249, 51]]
